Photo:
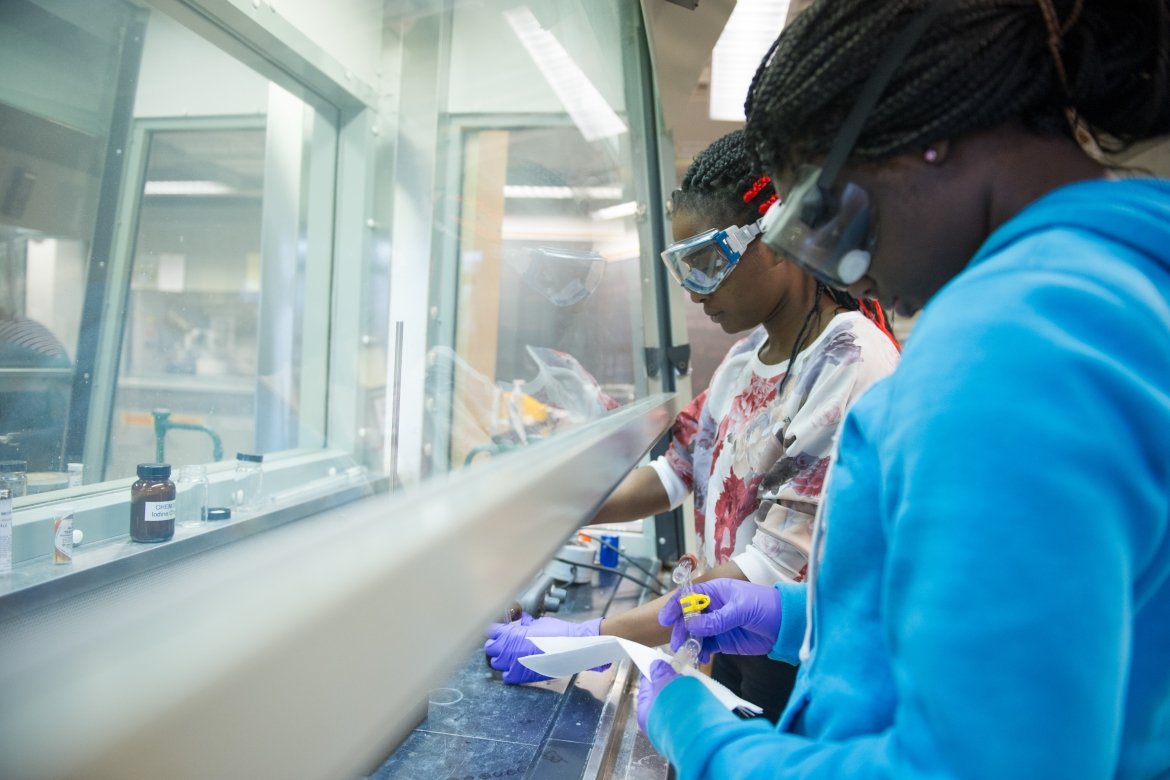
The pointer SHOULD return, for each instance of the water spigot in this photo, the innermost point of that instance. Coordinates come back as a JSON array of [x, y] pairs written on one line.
[[164, 423]]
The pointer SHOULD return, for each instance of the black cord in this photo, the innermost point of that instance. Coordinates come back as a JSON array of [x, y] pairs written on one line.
[[621, 554], [655, 587]]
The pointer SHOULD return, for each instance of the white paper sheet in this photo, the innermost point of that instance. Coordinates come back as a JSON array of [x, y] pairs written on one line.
[[566, 655]]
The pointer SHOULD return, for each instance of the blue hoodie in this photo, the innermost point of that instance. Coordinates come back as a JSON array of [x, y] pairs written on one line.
[[1013, 475]]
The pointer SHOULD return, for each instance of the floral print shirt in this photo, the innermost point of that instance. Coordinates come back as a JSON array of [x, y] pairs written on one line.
[[757, 461]]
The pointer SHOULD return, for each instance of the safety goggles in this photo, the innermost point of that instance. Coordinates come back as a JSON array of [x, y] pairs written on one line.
[[824, 230], [701, 263], [564, 276]]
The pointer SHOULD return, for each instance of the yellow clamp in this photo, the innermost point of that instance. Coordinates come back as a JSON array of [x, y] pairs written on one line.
[[694, 602]]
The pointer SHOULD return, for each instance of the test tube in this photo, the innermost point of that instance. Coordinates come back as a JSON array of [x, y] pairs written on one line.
[[687, 655]]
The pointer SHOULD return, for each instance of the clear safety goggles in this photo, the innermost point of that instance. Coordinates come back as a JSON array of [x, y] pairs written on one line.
[[564, 276], [826, 231], [701, 263]]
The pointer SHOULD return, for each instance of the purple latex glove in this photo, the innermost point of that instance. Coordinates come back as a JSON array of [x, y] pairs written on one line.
[[650, 687], [508, 642], [742, 619]]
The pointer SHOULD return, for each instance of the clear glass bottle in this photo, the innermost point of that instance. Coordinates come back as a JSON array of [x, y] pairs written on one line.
[[14, 477], [248, 485], [152, 504], [191, 488]]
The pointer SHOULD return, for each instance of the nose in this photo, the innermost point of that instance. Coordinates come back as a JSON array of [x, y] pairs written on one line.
[[698, 297]]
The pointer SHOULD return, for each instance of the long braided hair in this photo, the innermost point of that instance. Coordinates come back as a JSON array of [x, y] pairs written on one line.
[[722, 187], [1095, 70]]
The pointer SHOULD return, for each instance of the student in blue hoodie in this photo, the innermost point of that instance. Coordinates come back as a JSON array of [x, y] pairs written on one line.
[[1012, 478]]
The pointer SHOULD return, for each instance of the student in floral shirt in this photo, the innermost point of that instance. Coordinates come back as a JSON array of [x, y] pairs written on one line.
[[754, 447]]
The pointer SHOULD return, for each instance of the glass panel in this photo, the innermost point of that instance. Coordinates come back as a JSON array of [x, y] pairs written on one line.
[[250, 240], [58, 76], [547, 296], [160, 215], [190, 342]]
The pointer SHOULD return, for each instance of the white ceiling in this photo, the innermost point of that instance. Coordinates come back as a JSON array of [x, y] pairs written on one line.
[[681, 41]]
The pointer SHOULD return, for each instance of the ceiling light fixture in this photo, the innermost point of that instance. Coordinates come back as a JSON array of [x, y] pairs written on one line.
[[747, 36], [584, 103]]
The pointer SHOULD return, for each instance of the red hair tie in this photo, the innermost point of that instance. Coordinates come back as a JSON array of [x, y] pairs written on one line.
[[768, 203], [754, 190]]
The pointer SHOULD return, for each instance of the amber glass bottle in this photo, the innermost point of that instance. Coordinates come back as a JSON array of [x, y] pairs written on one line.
[[152, 504]]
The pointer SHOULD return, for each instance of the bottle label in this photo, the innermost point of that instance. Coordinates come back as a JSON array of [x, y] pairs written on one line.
[[159, 511], [63, 539]]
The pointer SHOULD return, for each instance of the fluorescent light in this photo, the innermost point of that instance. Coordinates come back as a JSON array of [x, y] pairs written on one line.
[[627, 209], [584, 103], [750, 32], [190, 187], [519, 191]]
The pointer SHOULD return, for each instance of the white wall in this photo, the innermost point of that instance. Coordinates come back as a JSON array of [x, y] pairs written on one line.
[[184, 75]]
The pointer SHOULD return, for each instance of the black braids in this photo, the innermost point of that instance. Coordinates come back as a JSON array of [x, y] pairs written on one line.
[[870, 307], [716, 181], [982, 63], [802, 336]]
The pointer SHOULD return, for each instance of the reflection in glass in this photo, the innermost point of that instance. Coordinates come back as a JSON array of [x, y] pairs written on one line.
[[160, 215], [58, 80], [548, 320], [564, 276], [188, 380]]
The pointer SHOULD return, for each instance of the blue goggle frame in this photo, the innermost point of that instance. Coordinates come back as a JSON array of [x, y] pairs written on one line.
[[702, 262]]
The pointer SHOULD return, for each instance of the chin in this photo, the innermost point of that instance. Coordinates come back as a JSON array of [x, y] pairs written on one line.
[[731, 328], [904, 308]]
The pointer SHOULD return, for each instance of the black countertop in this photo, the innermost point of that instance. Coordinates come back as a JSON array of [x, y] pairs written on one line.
[[476, 727]]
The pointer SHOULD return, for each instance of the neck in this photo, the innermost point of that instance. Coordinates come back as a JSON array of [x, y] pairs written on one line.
[[789, 318], [1030, 167]]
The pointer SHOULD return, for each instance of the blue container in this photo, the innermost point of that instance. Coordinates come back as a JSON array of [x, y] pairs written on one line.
[[607, 555]]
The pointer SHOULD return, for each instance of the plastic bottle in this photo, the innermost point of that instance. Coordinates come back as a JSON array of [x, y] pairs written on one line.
[[5, 530], [76, 472], [191, 488], [248, 486], [13, 476], [152, 504], [63, 536]]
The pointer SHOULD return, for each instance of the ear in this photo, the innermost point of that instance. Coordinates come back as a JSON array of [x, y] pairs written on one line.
[[937, 152]]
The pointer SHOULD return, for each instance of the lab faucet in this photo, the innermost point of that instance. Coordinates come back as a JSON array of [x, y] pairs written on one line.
[[164, 423]]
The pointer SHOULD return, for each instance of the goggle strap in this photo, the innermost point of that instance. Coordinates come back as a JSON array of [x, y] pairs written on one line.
[[873, 88], [739, 238]]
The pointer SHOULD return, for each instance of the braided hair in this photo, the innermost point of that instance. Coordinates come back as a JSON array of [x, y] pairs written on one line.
[[723, 188], [1074, 68]]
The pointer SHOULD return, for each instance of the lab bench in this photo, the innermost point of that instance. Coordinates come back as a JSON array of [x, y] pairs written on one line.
[[474, 726]]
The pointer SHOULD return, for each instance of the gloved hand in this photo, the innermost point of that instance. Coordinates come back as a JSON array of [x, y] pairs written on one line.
[[509, 641], [742, 619], [650, 687]]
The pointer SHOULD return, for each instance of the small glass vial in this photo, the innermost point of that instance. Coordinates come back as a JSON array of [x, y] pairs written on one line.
[[13, 476], [191, 495], [249, 473], [152, 504]]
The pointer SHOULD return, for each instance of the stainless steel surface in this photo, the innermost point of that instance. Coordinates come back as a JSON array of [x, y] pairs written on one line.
[[604, 755], [396, 408], [298, 652]]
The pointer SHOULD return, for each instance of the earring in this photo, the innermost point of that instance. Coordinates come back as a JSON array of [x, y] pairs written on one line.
[[930, 155]]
